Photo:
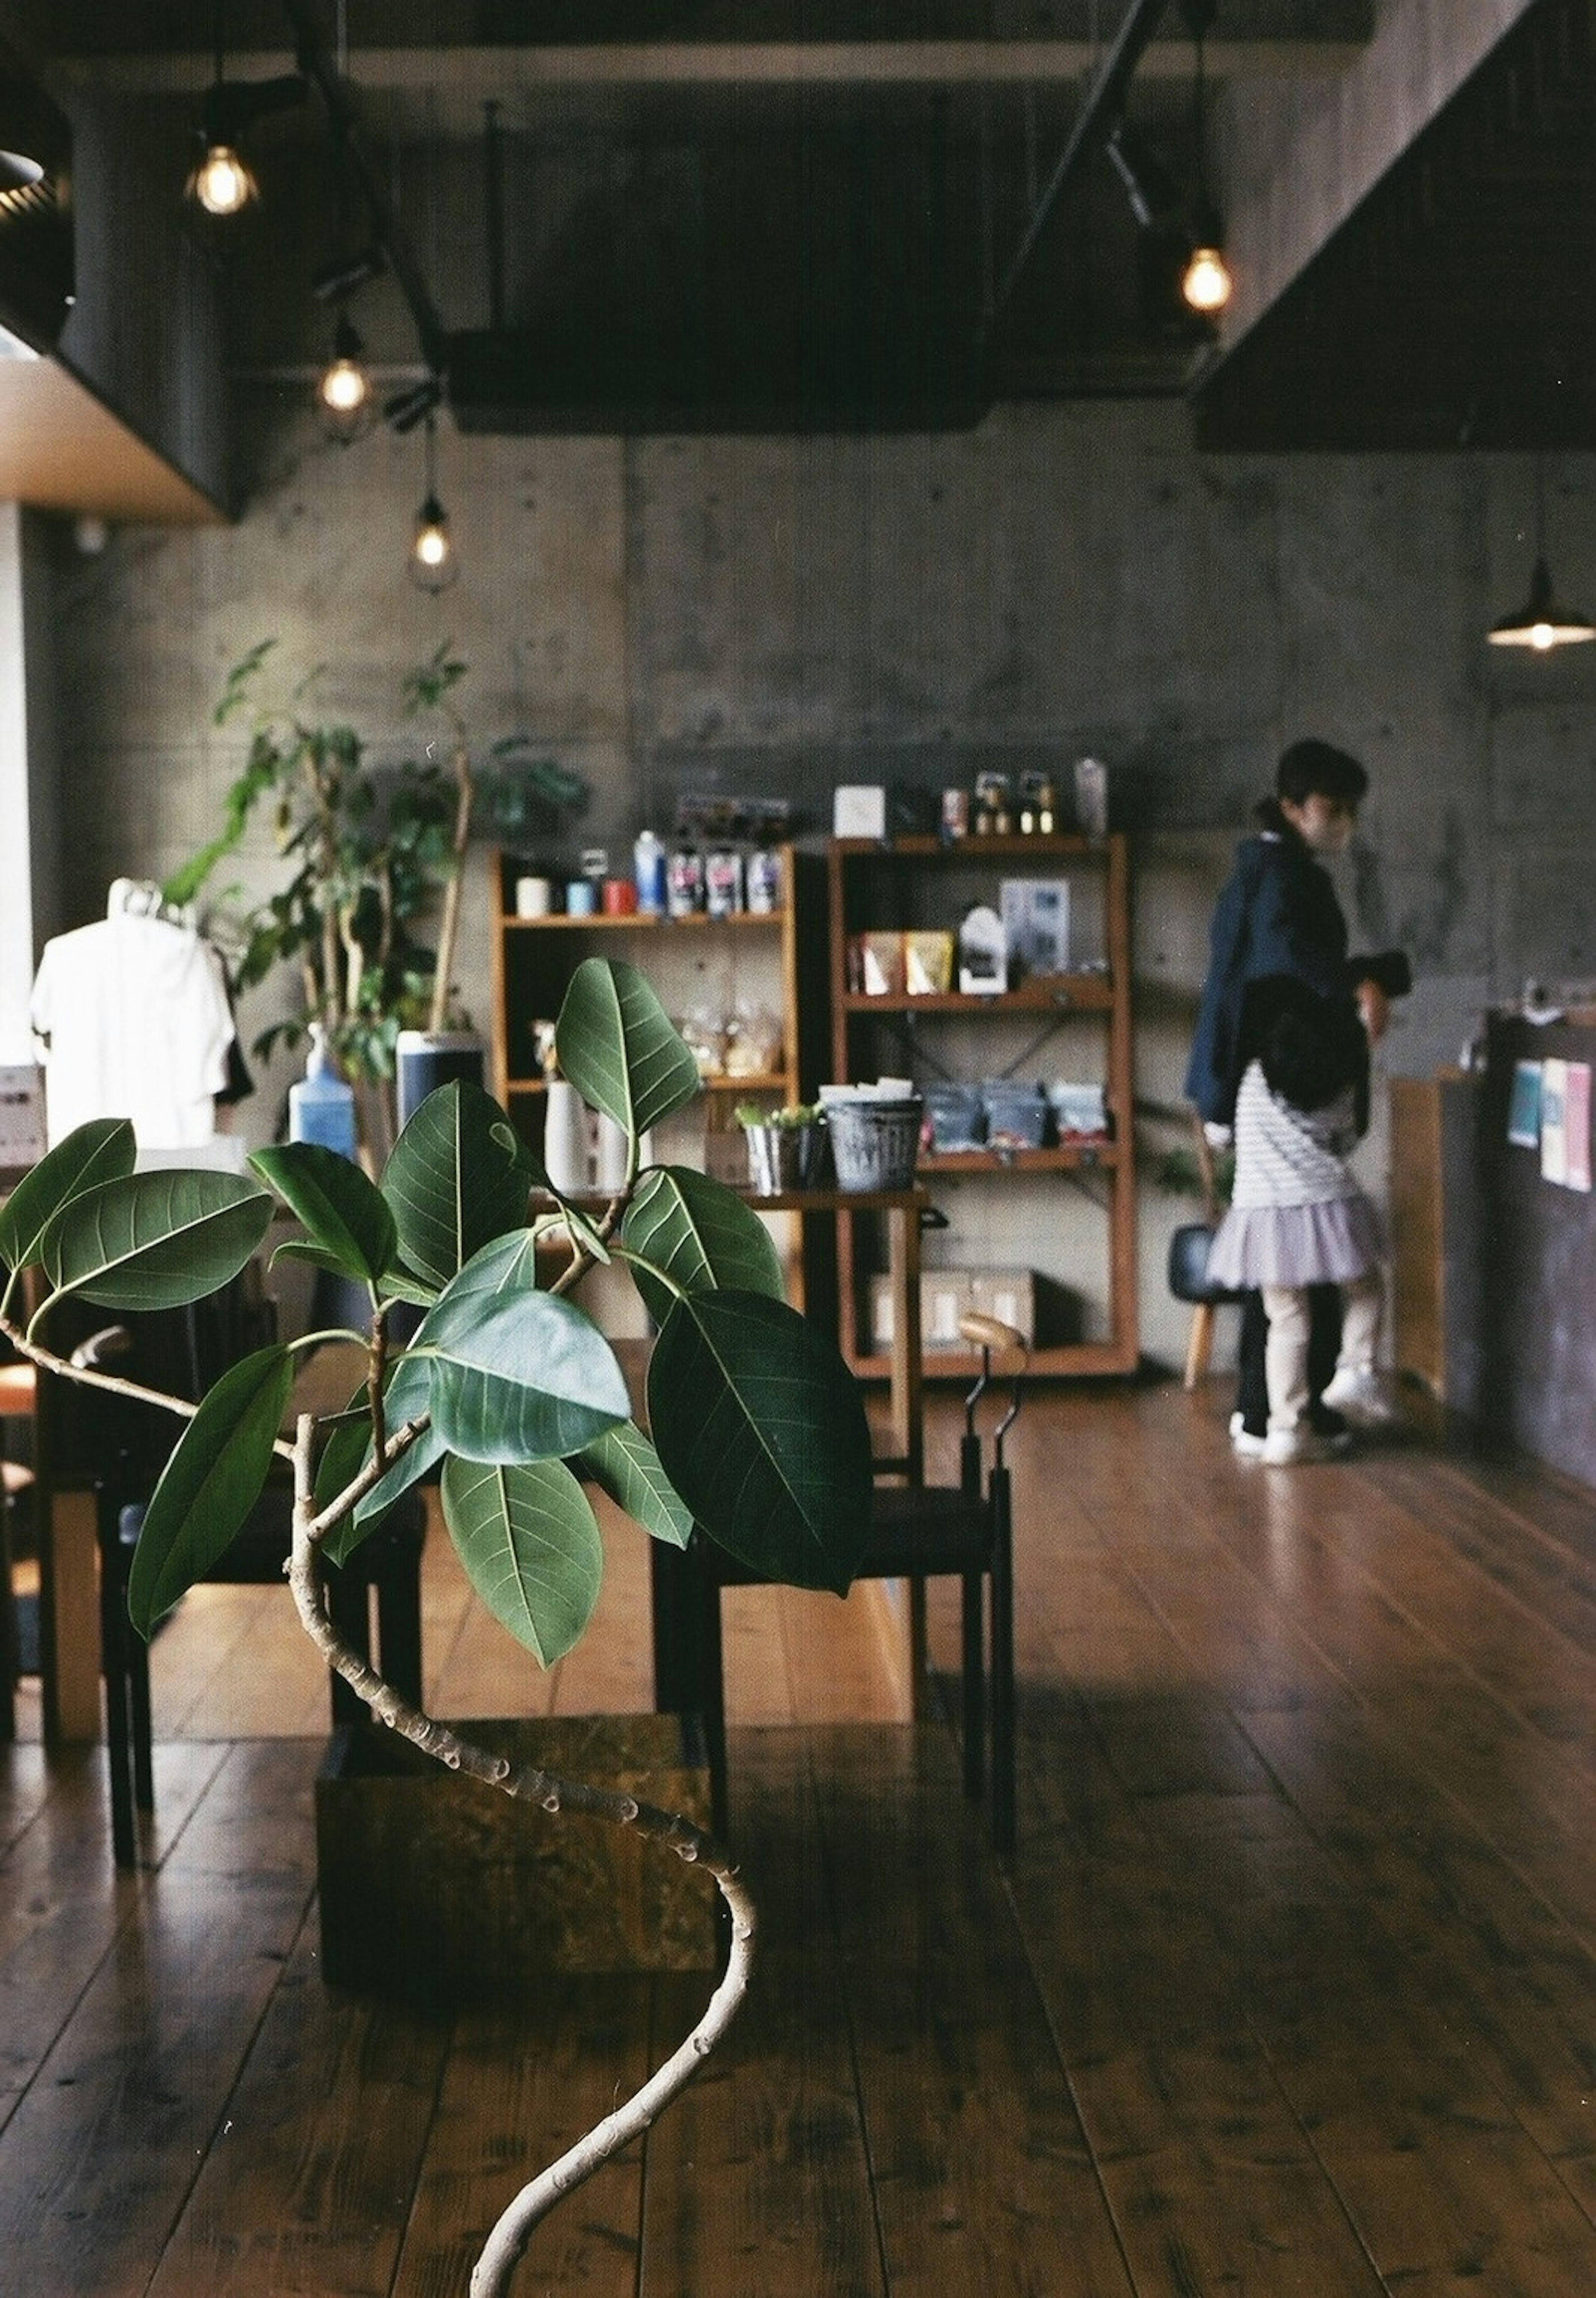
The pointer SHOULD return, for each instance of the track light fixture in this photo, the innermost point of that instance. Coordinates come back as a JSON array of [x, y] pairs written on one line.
[[344, 396], [221, 182], [1543, 621], [1205, 284], [433, 562], [346, 273], [1148, 184], [406, 409]]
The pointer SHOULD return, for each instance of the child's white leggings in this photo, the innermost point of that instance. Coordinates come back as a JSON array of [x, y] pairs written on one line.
[[1286, 1352]]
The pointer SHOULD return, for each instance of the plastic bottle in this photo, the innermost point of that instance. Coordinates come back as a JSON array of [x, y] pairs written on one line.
[[648, 868], [321, 1107]]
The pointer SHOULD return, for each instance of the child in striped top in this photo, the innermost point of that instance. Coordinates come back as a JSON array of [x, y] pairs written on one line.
[[1297, 1217]]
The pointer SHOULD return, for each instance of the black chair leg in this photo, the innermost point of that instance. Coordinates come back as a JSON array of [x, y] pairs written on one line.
[[1003, 1730], [399, 1625], [974, 1684], [710, 1689], [115, 1637]]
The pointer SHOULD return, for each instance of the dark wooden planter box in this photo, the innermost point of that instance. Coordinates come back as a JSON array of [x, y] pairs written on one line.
[[438, 1890]]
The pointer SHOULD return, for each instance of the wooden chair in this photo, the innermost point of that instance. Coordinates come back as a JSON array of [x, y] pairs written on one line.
[[919, 1532], [183, 1350]]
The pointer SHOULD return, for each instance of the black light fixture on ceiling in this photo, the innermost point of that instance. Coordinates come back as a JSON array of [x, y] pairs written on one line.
[[221, 182], [1543, 621], [433, 561], [417, 404], [1149, 186], [1205, 282]]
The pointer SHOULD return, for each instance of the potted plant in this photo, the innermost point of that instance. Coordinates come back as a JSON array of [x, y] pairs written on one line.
[[786, 1145], [374, 854], [507, 1390]]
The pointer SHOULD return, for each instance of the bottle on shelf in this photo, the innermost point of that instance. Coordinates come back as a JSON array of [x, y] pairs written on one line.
[[321, 1106]]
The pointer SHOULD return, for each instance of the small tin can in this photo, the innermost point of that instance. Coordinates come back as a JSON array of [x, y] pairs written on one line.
[[723, 883], [764, 883], [955, 815], [684, 884]]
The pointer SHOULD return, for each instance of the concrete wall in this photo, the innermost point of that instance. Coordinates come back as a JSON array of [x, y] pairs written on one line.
[[756, 614]]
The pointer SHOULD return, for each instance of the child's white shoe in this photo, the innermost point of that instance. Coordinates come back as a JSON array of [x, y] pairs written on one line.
[[1248, 1447], [1355, 1393]]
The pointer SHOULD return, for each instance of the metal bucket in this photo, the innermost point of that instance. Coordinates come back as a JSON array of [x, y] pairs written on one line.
[[784, 1157], [874, 1143]]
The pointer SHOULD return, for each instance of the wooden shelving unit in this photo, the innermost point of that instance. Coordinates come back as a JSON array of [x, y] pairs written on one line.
[[916, 883], [696, 964]]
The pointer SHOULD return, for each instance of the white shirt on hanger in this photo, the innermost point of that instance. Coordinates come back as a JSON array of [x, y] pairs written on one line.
[[133, 1020]]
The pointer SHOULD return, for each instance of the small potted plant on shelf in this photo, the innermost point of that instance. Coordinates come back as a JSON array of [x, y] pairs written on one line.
[[787, 1145], [507, 1391]]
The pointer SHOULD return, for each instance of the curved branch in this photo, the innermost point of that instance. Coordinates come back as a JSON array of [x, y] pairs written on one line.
[[507, 2241]]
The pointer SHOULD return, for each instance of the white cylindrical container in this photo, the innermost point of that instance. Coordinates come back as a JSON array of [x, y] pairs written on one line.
[[564, 1139], [610, 1159]]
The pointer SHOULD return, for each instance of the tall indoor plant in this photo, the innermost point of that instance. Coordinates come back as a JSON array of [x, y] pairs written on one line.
[[508, 1390], [374, 854]]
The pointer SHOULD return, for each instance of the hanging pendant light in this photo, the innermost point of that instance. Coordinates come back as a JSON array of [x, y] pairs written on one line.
[[433, 562], [1543, 621], [1206, 285], [222, 182], [344, 398]]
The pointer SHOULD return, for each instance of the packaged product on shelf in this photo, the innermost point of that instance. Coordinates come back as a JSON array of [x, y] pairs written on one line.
[[1035, 918], [1079, 1112], [983, 954], [685, 883], [1016, 1113], [928, 963], [882, 964], [764, 882], [723, 883]]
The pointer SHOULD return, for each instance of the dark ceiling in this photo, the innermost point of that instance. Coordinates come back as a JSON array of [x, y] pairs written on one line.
[[770, 215], [1457, 307]]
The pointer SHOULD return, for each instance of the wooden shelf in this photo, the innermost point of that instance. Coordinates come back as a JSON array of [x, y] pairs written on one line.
[[640, 920], [1063, 1157], [1072, 993], [761, 1081], [1013, 848]]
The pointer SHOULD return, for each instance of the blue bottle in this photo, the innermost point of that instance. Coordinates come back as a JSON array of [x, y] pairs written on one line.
[[321, 1107]]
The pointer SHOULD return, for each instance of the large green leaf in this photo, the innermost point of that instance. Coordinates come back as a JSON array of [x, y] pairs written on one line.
[[154, 1240], [454, 1180], [504, 1269], [348, 1222], [531, 1549], [701, 1234], [761, 1430], [531, 1378], [210, 1484], [617, 1045], [623, 1463], [104, 1150]]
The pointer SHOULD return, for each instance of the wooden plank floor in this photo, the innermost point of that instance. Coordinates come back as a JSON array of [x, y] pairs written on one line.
[[1290, 1991]]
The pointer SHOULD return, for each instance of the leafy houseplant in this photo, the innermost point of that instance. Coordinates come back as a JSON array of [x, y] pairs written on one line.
[[506, 1389], [373, 854]]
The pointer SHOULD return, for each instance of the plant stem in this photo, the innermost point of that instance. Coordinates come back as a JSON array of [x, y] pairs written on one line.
[[449, 924], [507, 2241]]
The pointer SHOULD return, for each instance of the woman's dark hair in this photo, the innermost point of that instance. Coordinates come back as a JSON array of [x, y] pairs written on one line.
[[1311, 1048], [1310, 767]]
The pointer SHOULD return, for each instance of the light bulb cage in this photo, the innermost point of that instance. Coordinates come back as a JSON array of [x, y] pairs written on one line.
[[435, 563], [346, 401]]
